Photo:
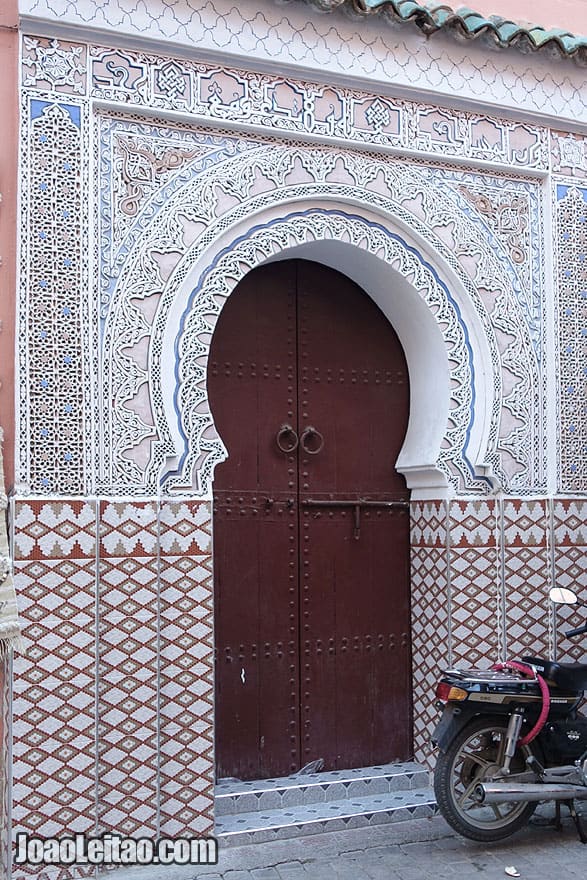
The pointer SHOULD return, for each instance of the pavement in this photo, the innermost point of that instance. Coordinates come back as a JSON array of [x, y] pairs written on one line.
[[422, 849]]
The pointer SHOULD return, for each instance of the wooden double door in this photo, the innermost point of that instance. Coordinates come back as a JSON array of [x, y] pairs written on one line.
[[309, 391]]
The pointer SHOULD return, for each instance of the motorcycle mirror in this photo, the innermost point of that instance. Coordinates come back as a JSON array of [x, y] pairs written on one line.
[[562, 596]]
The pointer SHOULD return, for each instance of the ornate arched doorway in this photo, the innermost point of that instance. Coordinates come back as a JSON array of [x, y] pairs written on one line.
[[308, 387]]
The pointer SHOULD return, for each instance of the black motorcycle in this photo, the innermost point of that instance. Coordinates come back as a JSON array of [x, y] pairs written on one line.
[[510, 737]]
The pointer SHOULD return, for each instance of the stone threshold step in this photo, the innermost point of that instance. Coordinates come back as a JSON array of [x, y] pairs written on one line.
[[235, 796], [355, 812]]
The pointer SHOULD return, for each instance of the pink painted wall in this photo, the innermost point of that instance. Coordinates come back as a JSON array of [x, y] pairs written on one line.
[[568, 14]]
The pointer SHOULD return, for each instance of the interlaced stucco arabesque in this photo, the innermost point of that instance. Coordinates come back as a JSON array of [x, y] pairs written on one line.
[[571, 270], [198, 201], [204, 449], [54, 324], [273, 103], [523, 447]]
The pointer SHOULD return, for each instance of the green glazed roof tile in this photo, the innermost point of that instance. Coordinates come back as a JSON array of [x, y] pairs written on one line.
[[431, 17]]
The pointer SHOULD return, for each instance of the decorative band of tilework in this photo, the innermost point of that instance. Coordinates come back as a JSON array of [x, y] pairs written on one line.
[[113, 697], [277, 104], [481, 572]]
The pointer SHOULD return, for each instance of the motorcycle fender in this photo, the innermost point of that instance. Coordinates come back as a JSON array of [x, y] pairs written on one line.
[[453, 719]]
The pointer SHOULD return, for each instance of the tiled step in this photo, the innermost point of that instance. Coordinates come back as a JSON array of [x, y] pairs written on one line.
[[234, 796], [292, 806]]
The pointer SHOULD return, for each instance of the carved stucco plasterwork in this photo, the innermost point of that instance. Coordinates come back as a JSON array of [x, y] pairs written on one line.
[[277, 104], [56, 65], [141, 167], [569, 154], [54, 325], [300, 37], [571, 281], [173, 235], [144, 168], [203, 449]]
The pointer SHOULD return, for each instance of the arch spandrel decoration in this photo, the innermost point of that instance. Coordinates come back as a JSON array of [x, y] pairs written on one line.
[[228, 219]]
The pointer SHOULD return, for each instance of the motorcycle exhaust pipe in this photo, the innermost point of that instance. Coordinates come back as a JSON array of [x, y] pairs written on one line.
[[496, 793]]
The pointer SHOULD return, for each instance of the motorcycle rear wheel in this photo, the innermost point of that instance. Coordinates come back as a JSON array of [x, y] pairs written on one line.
[[471, 758]]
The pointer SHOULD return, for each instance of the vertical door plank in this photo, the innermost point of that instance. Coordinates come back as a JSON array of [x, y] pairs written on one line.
[[252, 389], [353, 389]]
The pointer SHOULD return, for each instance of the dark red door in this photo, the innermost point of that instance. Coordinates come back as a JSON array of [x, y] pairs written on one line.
[[309, 390]]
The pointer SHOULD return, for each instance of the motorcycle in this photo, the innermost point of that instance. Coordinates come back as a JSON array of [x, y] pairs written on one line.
[[511, 737]]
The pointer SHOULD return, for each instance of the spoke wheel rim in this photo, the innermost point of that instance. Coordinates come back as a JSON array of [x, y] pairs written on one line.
[[472, 764]]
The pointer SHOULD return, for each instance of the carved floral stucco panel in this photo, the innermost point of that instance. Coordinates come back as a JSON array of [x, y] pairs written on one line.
[[220, 181]]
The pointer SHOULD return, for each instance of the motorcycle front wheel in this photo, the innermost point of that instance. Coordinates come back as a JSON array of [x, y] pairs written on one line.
[[474, 756]]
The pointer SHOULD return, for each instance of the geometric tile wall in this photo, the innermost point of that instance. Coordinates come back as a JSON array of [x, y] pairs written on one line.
[[5, 762], [431, 644], [569, 526], [113, 697], [481, 572], [113, 700], [528, 576], [474, 602]]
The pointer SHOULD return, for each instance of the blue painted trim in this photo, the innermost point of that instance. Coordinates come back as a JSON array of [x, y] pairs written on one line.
[[196, 290], [562, 189], [39, 107]]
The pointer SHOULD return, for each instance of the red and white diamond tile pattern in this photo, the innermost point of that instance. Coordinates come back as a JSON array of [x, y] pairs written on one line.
[[153, 759], [430, 629], [474, 606], [185, 528], [128, 671], [147, 629], [187, 692], [54, 530], [570, 523], [54, 725], [52, 872], [570, 569], [156, 669], [527, 577], [430, 640], [428, 524], [5, 749], [473, 523], [187, 670], [474, 595], [128, 529]]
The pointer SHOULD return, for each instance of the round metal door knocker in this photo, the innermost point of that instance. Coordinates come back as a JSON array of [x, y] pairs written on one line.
[[286, 431], [312, 441]]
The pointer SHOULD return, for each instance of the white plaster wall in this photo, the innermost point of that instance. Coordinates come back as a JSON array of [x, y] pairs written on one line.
[[296, 39]]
